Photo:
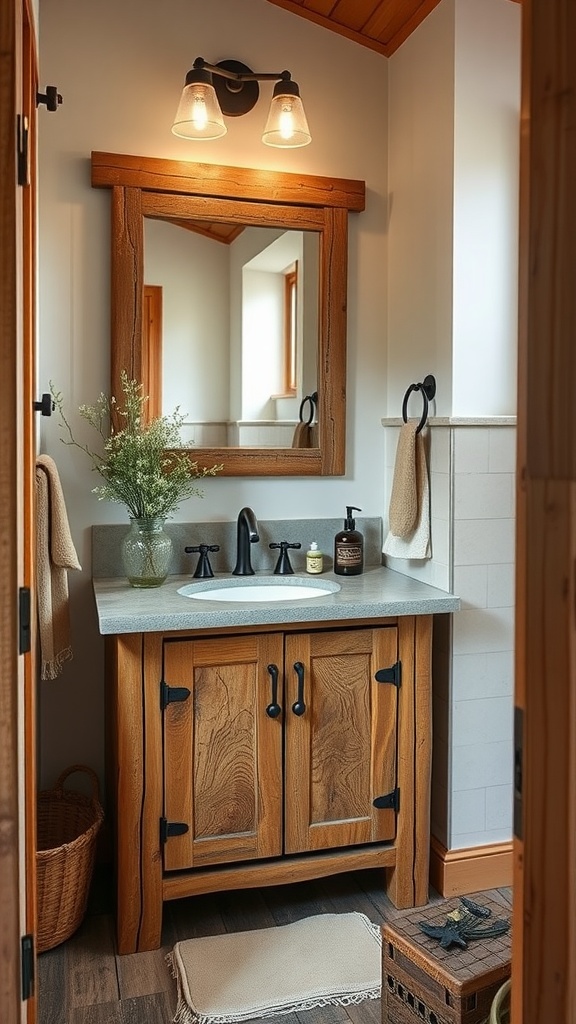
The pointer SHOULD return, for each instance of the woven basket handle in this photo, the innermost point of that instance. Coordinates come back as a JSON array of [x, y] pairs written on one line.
[[80, 768]]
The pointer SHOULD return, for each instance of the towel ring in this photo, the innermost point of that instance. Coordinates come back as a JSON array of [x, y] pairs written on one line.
[[428, 389], [312, 399]]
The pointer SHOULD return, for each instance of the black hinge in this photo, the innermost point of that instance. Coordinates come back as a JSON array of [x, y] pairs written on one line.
[[24, 625], [172, 694], [171, 828], [390, 675], [23, 161], [27, 970], [518, 766], [389, 801]]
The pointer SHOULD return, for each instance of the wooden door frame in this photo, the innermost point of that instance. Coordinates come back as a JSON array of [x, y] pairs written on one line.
[[544, 942], [18, 71]]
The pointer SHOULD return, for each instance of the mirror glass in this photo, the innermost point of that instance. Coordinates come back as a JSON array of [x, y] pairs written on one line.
[[230, 317], [228, 299]]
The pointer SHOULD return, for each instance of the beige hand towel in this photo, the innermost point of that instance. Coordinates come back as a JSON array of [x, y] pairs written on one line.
[[305, 435], [55, 554], [410, 499], [404, 498]]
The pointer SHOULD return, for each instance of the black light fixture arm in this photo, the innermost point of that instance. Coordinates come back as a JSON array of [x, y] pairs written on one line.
[[225, 71]]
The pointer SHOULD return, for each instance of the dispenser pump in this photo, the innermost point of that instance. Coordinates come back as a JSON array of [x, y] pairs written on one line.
[[350, 522]]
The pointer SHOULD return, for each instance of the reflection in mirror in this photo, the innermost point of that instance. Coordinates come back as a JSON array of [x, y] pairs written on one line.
[[256, 378], [230, 322]]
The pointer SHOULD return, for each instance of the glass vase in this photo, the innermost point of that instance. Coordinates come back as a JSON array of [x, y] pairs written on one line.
[[146, 552]]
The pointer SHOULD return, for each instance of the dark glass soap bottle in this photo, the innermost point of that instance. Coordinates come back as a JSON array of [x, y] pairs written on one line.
[[349, 547]]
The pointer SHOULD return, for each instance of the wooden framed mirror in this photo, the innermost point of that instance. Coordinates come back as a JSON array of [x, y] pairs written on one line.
[[222, 202]]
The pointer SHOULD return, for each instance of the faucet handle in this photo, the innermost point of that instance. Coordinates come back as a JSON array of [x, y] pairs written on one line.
[[283, 565], [203, 569]]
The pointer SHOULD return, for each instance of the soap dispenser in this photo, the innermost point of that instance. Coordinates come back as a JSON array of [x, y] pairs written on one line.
[[349, 547]]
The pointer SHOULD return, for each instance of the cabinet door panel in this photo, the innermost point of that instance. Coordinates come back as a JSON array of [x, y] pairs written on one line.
[[341, 751], [222, 753]]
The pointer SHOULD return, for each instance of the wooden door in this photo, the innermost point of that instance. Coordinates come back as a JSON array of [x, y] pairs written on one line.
[[223, 751], [17, 457], [341, 728]]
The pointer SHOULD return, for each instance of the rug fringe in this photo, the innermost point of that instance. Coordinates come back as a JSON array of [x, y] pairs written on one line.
[[185, 1015]]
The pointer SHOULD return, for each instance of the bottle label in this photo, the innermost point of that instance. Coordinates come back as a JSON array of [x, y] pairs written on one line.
[[314, 563], [349, 554]]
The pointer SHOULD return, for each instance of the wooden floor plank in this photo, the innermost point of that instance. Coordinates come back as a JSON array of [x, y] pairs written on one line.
[[91, 976], [51, 973], [144, 974]]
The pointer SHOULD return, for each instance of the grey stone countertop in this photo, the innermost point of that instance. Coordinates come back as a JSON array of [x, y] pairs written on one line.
[[377, 593]]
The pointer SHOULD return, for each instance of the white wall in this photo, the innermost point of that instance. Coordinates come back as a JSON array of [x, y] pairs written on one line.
[[486, 174], [120, 68]]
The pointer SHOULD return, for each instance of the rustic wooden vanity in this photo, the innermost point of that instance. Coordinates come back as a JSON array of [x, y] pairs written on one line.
[[268, 751]]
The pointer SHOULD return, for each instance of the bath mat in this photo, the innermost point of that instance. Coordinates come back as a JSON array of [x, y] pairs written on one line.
[[328, 959]]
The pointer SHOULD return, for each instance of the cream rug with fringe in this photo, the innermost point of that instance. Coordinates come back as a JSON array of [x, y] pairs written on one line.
[[329, 959]]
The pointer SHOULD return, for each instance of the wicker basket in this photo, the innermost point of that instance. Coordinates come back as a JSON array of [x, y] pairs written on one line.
[[68, 824], [500, 1011]]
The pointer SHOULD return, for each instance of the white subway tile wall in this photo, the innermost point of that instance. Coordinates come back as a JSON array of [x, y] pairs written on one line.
[[472, 485], [483, 635]]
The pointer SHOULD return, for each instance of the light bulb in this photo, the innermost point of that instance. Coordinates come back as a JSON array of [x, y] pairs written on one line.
[[199, 114], [286, 120]]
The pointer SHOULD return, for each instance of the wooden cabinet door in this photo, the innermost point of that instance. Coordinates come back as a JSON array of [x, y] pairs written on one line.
[[341, 747], [222, 751]]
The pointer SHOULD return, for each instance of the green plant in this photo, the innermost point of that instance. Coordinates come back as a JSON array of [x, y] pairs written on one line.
[[138, 464]]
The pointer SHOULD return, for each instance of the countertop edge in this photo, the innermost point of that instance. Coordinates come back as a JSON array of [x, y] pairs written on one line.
[[377, 594]]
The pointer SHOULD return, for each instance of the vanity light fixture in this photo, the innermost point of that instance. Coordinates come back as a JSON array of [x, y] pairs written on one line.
[[231, 88]]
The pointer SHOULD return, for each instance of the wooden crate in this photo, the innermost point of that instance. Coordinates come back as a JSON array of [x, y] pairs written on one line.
[[421, 982]]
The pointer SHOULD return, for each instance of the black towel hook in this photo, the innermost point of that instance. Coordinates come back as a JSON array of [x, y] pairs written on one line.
[[428, 389], [313, 398]]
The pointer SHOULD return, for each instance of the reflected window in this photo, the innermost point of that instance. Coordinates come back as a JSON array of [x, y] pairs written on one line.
[[290, 328]]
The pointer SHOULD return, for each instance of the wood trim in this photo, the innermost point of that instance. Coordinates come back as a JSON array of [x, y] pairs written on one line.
[[154, 174], [544, 953], [277, 872], [152, 349], [458, 872], [10, 344]]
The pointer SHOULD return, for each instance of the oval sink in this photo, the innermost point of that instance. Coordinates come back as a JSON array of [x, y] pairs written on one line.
[[259, 588]]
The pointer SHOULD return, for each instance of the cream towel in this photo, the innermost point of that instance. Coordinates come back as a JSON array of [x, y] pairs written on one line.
[[55, 554], [409, 515]]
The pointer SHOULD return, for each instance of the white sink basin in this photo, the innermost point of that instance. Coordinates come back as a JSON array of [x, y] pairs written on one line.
[[258, 588]]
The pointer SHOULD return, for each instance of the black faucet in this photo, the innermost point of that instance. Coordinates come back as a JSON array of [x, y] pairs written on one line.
[[246, 534]]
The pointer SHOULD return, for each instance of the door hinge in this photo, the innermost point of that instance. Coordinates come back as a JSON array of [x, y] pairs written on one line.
[[27, 966], [172, 694], [171, 828], [390, 675], [24, 624], [22, 158], [518, 771], [389, 801]]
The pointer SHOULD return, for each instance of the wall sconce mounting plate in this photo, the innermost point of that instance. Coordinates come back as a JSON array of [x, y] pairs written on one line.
[[235, 98]]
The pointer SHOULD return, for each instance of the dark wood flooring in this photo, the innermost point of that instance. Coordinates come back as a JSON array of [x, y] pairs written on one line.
[[84, 981]]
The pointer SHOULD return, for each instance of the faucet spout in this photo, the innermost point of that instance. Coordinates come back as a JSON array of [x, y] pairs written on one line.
[[246, 534]]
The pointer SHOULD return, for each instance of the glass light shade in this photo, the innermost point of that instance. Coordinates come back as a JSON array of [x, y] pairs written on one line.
[[199, 115], [286, 125]]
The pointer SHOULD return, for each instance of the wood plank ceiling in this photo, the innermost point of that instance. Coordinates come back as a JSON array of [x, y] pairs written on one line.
[[381, 25]]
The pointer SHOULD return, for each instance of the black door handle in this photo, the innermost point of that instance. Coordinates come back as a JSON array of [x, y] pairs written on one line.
[[299, 706], [273, 709]]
